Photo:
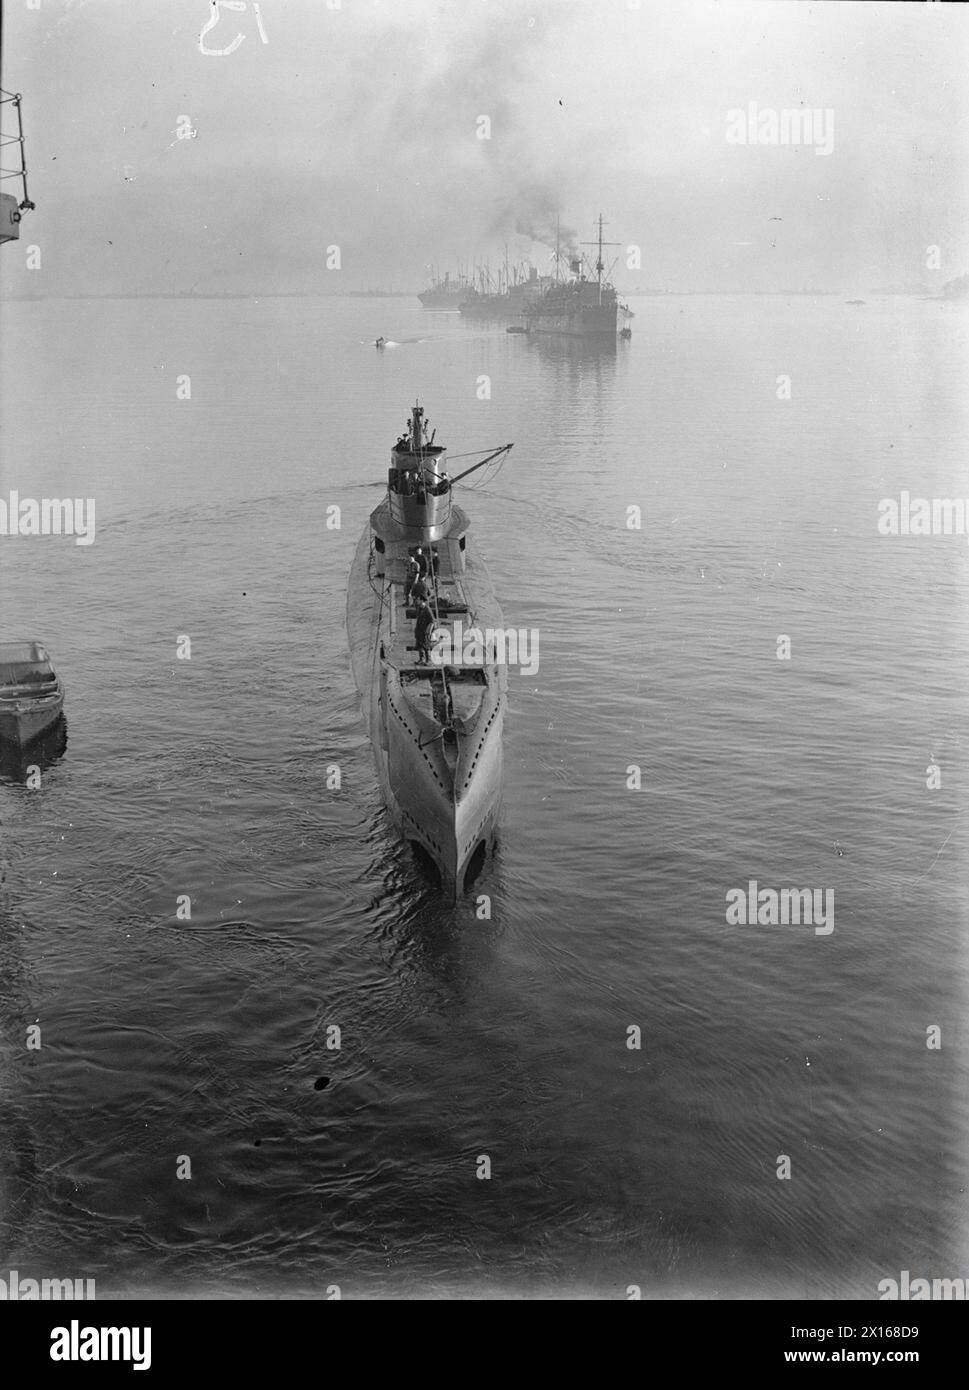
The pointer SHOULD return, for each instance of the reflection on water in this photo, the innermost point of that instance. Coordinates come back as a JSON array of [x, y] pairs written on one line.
[[504, 1035], [18, 1165], [16, 760], [564, 347]]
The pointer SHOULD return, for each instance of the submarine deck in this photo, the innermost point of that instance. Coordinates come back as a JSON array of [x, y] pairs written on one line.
[[447, 595]]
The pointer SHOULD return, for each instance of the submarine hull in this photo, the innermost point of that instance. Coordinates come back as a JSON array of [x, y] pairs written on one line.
[[435, 730]]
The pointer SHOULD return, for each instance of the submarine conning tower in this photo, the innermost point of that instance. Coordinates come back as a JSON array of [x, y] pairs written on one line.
[[418, 487]]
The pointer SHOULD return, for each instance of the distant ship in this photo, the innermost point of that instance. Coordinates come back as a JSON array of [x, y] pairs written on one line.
[[446, 293], [380, 294], [580, 307], [436, 729], [511, 298]]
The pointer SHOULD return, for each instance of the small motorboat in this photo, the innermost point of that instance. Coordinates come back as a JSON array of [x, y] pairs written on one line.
[[625, 332], [379, 344], [516, 328], [31, 692]]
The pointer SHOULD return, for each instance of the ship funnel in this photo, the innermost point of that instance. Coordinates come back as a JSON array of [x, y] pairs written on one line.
[[575, 265]]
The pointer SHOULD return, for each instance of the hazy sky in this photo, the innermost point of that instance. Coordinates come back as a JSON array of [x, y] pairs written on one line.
[[357, 126]]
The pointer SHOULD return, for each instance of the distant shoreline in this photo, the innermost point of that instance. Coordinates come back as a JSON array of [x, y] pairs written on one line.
[[359, 294]]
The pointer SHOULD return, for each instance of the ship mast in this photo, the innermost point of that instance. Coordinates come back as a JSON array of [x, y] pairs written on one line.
[[416, 428], [600, 264]]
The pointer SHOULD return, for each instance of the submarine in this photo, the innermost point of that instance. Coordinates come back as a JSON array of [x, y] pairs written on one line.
[[435, 725]]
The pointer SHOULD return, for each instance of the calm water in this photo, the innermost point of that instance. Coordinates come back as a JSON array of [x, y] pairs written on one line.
[[505, 1038]]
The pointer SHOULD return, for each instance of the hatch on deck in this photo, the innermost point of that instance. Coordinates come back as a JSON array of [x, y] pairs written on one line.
[[469, 675]]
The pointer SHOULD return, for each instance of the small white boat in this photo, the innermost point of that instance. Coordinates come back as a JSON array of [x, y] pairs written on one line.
[[31, 692]]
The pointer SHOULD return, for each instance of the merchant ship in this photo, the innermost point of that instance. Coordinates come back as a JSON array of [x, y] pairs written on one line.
[[435, 726], [581, 306], [508, 300], [446, 293]]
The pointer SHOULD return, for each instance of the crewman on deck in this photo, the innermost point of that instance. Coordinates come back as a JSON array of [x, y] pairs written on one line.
[[418, 589], [422, 632], [414, 572], [421, 560]]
